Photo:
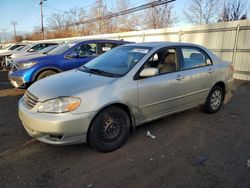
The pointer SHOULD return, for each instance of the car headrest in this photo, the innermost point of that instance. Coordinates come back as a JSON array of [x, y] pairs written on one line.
[[170, 59], [196, 56]]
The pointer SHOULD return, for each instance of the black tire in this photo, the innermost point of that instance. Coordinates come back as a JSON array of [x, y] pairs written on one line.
[[214, 100], [109, 129], [45, 74]]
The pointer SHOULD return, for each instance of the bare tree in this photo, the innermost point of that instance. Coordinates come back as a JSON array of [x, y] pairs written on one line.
[[98, 11], [203, 11], [57, 22], [71, 23], [239, 10], [158, 17], [235, 10], [19, 38], [74, 17], [35, 35], [59, 25], [225, 14], [125, 22]]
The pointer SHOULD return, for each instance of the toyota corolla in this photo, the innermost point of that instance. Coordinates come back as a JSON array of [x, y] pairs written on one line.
[[130, 85]]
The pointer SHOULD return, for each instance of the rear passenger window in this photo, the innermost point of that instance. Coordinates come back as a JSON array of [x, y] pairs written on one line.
[[193, 58], [106, 46]]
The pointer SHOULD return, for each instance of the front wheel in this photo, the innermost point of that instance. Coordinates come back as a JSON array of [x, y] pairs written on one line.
[[214, 100], [45, 74], [110, 129]]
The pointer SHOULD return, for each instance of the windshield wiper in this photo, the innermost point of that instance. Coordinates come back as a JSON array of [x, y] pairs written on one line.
[[101, 72], [84, 67], [98, 71]]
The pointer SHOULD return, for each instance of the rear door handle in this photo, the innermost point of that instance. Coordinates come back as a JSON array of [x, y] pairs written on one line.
[[211, 70], [179, 77]]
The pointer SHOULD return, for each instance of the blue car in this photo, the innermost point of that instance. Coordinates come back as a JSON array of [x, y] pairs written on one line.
[[65, 57]]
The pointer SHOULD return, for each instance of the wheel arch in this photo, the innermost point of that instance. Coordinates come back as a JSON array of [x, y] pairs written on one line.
[[222, 85], [39, 71], [207, 105], [116, 104]]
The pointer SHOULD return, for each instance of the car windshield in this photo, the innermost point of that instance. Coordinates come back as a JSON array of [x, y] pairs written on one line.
[[116, 62], [14, 47], [19, 48], [26, 48], [61, 49], [48, 49]]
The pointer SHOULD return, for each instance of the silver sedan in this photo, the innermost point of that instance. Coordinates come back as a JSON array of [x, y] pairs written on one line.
[[130, 85]]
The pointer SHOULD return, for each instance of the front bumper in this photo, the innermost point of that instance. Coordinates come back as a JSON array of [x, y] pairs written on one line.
[[16, 81], [21, 78], [58, 129]]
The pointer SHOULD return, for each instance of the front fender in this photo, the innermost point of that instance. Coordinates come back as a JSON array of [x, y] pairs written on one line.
[[41, 69]]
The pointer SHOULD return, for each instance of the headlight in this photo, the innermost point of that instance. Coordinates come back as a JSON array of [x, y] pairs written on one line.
[[27, 65], [59, 105]]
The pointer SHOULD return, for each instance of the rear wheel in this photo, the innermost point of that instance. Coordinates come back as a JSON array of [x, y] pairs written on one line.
[[214, 100], [109, 129], [45, 74]]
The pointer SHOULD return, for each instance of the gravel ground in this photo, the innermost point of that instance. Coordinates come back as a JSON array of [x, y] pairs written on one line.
[[191, 149]]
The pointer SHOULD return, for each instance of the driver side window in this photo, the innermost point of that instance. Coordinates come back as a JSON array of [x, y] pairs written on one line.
[[165, 60], [84, 50]]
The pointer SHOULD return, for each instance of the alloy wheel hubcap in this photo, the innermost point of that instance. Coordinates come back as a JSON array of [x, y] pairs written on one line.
[[216, 99]]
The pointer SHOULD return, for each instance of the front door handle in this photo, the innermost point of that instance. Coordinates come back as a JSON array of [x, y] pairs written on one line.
[[179, 77]]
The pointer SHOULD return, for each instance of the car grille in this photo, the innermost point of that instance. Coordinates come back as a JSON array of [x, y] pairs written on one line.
[[30, 99], [14, 67]]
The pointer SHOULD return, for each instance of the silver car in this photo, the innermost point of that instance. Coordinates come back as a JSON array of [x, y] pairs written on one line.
[[130, 85], [32, 48]]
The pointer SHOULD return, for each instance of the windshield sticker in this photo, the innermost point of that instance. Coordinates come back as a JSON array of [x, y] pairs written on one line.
[[140, 50]]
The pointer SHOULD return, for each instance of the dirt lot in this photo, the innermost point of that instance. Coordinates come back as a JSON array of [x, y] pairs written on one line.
[[191, 149]]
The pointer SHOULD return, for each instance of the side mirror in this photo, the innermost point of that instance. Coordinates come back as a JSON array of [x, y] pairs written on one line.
[[149, 72], [31, 50], [72, 55], [209, 62]]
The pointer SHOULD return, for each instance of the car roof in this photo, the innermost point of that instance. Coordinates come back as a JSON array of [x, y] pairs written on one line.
[[162, 44], [99, 40], [46, 43], [36, 43]]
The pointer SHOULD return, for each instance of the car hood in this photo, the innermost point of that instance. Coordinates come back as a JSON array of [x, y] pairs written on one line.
[[18, 54], [35, 57], [70, 83], [27, 57], [2, 51], [6, 53], [21, 54]]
